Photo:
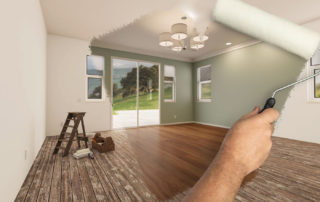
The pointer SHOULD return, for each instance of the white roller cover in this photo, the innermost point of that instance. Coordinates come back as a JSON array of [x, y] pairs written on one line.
[[267, 27]]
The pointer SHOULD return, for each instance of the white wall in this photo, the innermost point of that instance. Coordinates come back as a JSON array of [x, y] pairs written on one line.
[[22, 87], [300, 118], [66, 84]]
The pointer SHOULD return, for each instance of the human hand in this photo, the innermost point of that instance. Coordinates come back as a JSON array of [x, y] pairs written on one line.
[[245, 147], [248, 143]]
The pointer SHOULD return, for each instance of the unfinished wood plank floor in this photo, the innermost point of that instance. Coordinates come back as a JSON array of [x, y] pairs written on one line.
[[162, 163]]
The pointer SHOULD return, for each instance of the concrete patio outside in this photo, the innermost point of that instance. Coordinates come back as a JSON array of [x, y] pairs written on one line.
[[128, 118]]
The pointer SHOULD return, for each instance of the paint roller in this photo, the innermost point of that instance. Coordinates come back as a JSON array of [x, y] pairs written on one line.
[[269, 28]]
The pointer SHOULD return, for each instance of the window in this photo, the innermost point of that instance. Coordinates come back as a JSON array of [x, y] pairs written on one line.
[[94, 78], [315, 60], [94, 88], [314, 84], [204, 84], [169, 83]]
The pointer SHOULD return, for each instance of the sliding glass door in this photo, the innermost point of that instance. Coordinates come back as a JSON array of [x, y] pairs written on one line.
[[124, 93], [135, 93], [148, 94]]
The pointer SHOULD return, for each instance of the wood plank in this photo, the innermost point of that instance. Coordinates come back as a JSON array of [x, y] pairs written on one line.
[[131, 169], [55, 192], [115, 170], [77, 193], [95, 182], [44, 193], [133, 176], [66, 190], [87, 188], [140, 191], [38, 178], [105, 182], [118, 188], [32, 172]]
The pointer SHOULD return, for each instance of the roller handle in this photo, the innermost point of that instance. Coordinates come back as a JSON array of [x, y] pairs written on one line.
[[269, 104]]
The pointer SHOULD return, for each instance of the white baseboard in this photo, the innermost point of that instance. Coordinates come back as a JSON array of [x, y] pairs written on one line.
[[210, 124], [202, 123], [176, 123]]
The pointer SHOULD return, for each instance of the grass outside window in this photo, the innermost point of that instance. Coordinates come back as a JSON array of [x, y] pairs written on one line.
[[206, 91]]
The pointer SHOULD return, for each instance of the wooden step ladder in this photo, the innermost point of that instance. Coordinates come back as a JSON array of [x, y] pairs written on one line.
[[65, 136]]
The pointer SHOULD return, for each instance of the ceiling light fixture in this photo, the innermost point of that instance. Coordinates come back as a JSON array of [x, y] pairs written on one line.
[[165, 39], [228, 43], [179, 33], [201, 37], [196, 45], [177, 46]]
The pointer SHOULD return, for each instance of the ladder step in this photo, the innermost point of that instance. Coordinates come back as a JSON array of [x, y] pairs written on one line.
[[83, 138], [68, 126], [66, 135], [64, 140], [79, 138], [61, 147], [69, 137]]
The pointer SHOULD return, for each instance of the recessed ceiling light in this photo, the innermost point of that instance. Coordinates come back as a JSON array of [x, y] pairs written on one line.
[[228, 43], [191, 14]]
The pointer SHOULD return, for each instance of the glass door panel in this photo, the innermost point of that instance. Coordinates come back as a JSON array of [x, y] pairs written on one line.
[[124, 83], [148, 108]]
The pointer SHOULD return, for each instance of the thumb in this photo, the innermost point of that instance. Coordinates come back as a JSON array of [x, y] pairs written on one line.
[[255, 111], [269, 115]]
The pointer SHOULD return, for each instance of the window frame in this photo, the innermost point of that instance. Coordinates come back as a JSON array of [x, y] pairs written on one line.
[[200, 83], [311, 98], [87, 76], [173, 82], [173, 91]]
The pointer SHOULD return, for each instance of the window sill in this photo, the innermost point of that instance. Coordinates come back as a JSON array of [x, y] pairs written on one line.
[[205, 100], [94, 100], [169, 101]]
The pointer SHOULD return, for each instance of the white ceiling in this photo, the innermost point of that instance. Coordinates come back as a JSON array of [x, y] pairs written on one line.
[[84, 19], [136, 25]]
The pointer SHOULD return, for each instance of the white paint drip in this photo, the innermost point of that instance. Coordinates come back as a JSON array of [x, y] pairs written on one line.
[[128, 187]]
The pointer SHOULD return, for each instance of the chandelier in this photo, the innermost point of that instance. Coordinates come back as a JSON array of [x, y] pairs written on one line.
[[177, 39]]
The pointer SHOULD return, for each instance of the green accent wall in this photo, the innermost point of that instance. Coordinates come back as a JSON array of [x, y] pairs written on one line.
[[183, 107], [243, 79]]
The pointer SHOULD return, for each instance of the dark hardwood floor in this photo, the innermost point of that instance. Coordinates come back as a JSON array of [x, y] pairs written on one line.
[[174, 157], [163, 163]]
